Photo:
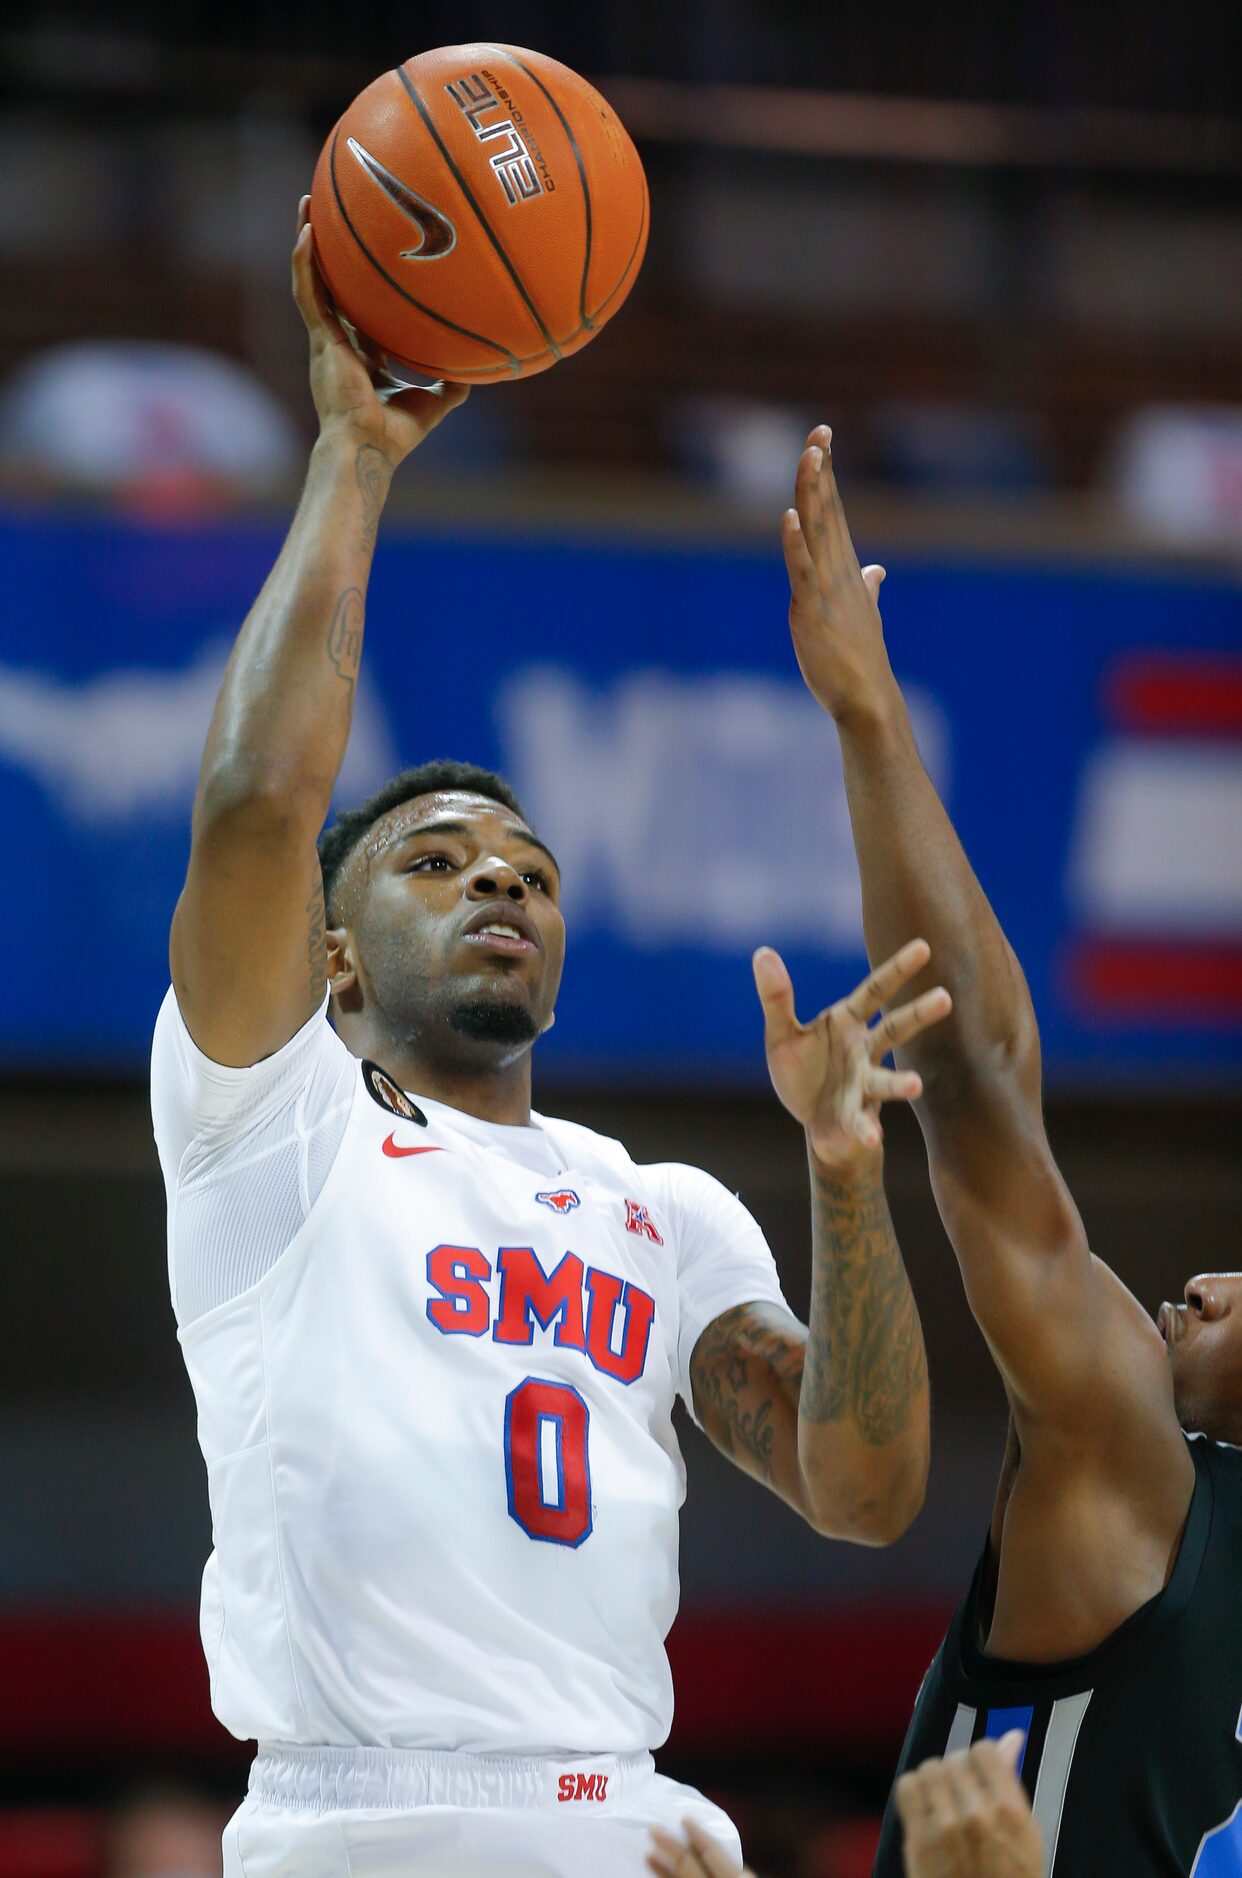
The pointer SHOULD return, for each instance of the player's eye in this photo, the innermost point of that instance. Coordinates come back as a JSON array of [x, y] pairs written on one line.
[[535, 877], [430, 864]]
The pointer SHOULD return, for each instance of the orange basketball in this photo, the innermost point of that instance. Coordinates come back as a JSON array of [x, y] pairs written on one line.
[[478, 214]]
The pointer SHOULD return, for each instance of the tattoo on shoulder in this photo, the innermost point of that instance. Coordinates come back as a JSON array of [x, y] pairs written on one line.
[[345, 635], [374, 473], [865, 1357]]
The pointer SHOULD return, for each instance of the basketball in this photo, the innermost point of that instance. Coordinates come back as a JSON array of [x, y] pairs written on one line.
[[478, 214]]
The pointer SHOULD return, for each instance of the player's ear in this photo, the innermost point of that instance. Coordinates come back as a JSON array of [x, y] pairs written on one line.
[[342, 971]]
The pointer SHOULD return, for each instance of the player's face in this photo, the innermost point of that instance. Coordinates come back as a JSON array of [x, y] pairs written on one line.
[[458, 924], [1204, 1340]]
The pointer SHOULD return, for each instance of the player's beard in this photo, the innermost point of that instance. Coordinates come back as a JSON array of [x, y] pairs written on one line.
[[493, 1020]]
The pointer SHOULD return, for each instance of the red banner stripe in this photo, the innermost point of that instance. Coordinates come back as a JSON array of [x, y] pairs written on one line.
[[1196, 696], [107, 1685], [1184, 981]]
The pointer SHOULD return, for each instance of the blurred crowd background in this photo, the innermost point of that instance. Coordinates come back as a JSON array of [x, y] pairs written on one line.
[[1000, 250]]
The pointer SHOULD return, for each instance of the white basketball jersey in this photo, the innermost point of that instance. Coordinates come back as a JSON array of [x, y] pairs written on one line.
[[444, 1479]]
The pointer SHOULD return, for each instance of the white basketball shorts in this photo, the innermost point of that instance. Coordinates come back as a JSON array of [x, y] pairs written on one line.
[[392, 1813]]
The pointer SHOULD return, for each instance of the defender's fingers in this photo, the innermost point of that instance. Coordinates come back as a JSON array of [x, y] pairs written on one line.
[[962, 1775], [666, 1853], [873, 579], [807, 499], [714, 1860], [996, 1762], [925, 1804], [909, 1020], [798, 563], [912, 1795], [1010, 1747], [775, 988], [874, 992], [832, 535], [303, 214], [892, 1085]]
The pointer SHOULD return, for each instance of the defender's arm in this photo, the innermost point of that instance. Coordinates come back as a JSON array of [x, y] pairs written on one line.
[[1061, 1328], [248, 949]]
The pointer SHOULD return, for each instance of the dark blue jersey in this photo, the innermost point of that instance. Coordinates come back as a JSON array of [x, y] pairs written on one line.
[[1133, 1755]]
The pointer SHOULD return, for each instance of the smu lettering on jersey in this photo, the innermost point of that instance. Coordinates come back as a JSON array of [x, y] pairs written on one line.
[[443, 1473]]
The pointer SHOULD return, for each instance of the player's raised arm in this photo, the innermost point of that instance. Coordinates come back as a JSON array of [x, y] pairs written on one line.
[[1046, 1307], [833, 1415], [248, 948]]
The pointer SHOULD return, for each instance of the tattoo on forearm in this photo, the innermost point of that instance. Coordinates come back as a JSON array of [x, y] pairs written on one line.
[[742, 1419], [316, 938], [865, 1357], [345, 635], [374, 474]]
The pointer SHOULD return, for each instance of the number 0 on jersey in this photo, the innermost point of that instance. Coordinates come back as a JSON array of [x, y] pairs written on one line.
[[547, 1467]]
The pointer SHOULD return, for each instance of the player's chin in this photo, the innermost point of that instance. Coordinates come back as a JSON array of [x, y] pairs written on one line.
[[494, 1014], [1191, 1401]]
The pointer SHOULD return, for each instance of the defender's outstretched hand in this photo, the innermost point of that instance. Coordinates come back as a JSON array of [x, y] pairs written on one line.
[[967, 1816], [341, 384], [828, 1073], [698, 1856], [834, 613]]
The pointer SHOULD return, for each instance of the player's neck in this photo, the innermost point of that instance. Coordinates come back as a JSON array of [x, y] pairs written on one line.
[[479, 1081], [498, 1096]]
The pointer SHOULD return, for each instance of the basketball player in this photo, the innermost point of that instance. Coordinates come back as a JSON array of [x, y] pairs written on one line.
[[1105, 1617], [435, 1338]]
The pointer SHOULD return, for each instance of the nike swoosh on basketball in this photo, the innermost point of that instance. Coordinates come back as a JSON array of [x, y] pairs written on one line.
[[398, 1154], [439, 237]]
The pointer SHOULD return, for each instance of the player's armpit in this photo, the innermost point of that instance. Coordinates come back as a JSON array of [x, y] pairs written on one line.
[[746, 1374]]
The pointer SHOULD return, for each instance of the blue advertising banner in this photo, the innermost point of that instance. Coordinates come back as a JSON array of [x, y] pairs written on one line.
[[1085, 727]]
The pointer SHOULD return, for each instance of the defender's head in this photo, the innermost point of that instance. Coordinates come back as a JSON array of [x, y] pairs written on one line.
[[416, 883], [1204, 1340]]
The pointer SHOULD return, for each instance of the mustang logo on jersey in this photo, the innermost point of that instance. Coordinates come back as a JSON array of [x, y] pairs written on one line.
[[563, 1200], [581, 1300]]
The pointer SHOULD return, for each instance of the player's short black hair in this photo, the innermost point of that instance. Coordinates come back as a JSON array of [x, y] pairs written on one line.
[[337, 843]]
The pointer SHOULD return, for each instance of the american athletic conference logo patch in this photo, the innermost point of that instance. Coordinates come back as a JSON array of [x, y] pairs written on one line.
[[639, 1220], [560, 1199]]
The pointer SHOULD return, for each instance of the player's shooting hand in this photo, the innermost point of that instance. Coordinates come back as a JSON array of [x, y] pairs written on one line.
[[695, 1856], [341, 384], [968, 1816], [829, 1073], [834, 613]]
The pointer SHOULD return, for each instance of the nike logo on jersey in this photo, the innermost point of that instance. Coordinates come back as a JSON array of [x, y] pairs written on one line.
[[398, 1154]]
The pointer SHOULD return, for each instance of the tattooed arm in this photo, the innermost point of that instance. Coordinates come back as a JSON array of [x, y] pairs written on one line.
[[833, 1416], [248, 942]]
